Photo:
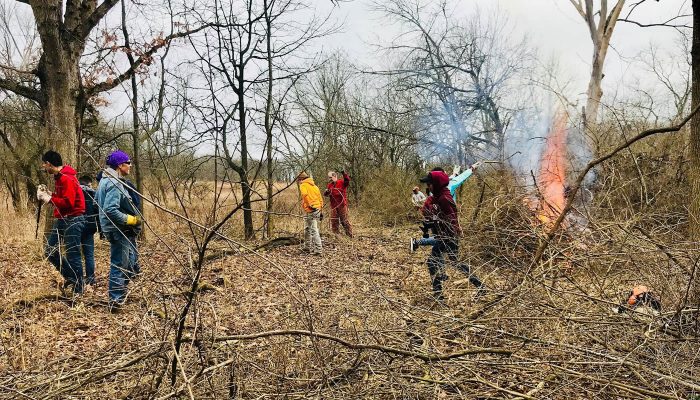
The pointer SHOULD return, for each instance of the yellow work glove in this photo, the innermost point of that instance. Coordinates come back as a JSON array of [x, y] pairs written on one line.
[[133, 220]]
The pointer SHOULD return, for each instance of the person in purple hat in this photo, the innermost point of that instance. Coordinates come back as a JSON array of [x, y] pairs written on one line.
[[117, 216]]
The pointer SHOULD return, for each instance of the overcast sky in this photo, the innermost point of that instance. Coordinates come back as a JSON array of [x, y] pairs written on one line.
[[553, 27]]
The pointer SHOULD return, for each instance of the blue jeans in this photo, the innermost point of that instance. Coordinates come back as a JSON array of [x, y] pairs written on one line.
[[429, 241], [120, 266], [436, 263], [135, 253], [69, 231], [87, 243]]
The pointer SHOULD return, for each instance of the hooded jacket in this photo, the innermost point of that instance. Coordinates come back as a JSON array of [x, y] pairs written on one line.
[[114, 202], [67, 198], [442, 206], [337, 191], [310, 195]]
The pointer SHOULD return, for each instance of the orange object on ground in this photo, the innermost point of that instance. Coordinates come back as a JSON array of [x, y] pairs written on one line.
[[637, 291]]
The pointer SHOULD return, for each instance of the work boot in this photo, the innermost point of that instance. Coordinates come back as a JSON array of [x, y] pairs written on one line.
[[115, 308]]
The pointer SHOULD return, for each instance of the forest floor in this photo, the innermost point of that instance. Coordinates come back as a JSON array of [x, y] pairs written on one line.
[[357, 322]]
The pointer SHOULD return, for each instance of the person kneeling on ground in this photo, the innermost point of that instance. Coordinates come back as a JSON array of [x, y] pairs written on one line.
[[117, 215], [311, 202], [69, 207], [442, 211]]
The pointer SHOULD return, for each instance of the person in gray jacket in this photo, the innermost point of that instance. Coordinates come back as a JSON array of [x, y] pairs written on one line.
[[117, 215]]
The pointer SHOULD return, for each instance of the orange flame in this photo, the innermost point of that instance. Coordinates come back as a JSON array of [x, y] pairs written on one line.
[[552, 174]]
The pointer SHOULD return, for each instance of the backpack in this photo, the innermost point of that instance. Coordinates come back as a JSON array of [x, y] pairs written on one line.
[[91, 210]]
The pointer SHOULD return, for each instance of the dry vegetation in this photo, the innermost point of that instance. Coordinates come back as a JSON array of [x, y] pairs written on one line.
[[359, 321]]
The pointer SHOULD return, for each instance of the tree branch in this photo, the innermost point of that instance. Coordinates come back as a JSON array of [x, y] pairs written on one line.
[[19, 89], [91, 21], [579, 180], [144, 58], [361, 346]]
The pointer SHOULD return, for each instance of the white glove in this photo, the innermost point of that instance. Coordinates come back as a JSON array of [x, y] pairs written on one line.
[[456, 170], [43, 194], [475, 165]]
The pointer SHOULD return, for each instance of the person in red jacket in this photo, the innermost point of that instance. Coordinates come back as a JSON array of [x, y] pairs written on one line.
[[337, 193], [441, 209], [69, 207]]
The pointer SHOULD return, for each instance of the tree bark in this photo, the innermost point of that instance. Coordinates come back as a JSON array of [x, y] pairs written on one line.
[[694, 138], [243, 171], [136, 132], [601, 33], [268, 121]]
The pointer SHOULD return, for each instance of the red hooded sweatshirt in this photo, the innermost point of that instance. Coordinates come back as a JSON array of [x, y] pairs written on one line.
[[337, 191], [67, 197], [443, 206]]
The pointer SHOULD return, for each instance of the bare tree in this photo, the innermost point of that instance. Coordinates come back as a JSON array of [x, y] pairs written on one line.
[[57, 81], [458, 74], [694, 139], [601, 24]]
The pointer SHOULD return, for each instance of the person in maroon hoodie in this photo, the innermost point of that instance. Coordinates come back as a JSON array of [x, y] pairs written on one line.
[[337, 192], [442, 209], [69, 207]]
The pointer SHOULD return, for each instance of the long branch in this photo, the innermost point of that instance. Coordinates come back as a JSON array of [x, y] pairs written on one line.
[[362, 346], [579, 180]]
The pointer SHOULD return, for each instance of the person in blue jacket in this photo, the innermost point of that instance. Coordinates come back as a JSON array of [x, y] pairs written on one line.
[[457, 179], [117, 215]]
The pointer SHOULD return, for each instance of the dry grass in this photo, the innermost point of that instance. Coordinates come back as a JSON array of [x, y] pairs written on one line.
[[554, 319]]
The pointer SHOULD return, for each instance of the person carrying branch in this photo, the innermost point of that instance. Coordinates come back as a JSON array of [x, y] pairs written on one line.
[[69, 207], [311, 202], [336, 191], [118, 215]]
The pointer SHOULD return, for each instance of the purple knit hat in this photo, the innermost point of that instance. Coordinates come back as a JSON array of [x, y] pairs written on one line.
[[117, 158]]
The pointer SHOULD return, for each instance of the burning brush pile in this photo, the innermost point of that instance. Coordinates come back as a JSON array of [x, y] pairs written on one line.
[[520, 216]]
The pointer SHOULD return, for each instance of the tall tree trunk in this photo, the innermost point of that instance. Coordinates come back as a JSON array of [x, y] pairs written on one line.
[[595, 90], [135, 134], [694, 139], [243, 171], [268, 122], [601, 32], [59, 130], [59, 74]]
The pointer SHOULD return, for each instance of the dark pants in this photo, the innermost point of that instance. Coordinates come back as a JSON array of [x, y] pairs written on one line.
[[121, 269], [87, 244], [436, 264], [68, 230], [339, 216]]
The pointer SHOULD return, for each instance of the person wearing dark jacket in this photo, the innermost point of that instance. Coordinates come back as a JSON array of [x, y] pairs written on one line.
[[87, 239], [69, 207], [442, 209], [336, 191]]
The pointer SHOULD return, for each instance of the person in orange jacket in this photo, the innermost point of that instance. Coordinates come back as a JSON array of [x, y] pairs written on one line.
[[311, 202]]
